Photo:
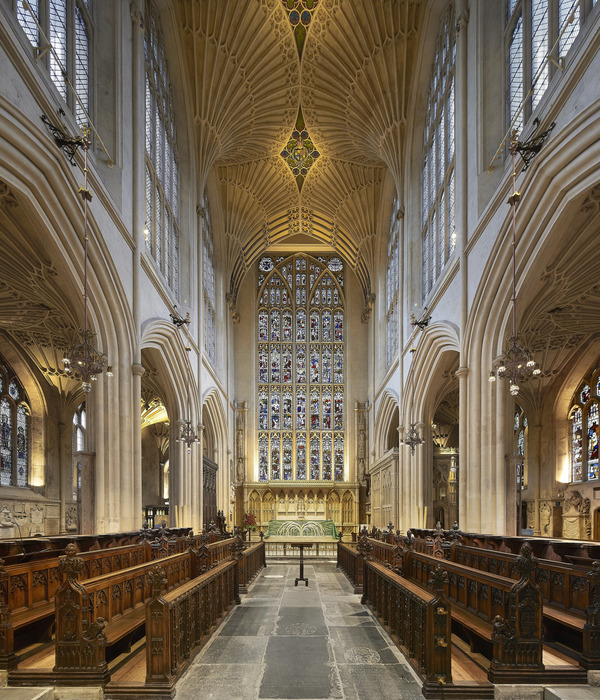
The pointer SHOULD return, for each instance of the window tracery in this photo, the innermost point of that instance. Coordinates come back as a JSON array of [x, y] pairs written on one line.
[[78, 444], [68, 26], [530, 35], [520, 432], [438, 232], [300, 368], [208, 281], [14, 430], [585, 428], [162, 170], [392, 286]]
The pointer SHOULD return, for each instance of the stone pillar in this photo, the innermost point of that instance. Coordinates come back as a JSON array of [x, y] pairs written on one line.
[[137, 371], [463, 442], [85, 463]]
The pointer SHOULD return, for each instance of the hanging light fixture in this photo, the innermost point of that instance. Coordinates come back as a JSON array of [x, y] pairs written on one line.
[[83, 361], [187, 433], [412, 437], [516, 363]]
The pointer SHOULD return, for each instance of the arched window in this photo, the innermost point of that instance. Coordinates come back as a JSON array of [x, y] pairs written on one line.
[[534, 29], [392, 285], [67, 26], [438, 232], [78, 444], [208, 281], [520, 431], [585, 430], [162, 171], [301, 368], [14, 429]]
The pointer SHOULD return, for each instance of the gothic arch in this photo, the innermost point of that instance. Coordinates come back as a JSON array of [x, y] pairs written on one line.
[[386, 422]]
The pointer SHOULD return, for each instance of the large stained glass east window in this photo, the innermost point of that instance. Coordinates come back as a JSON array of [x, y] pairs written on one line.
[[585, 428], [301, 368], [14, 430]]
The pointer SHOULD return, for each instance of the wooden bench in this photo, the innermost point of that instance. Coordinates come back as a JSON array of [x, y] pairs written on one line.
[[419, 622], [98, 619]]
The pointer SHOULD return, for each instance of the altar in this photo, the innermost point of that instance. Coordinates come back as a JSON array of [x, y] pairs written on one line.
[[311, 529]]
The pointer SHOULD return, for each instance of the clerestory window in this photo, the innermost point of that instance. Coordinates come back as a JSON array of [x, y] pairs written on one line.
[[392, 285], [162, 171], [67, 26], [438, 229], [208, 281], [538, 36]]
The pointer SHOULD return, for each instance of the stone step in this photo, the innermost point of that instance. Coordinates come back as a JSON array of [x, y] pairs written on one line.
[[26, 693], [572, 692]]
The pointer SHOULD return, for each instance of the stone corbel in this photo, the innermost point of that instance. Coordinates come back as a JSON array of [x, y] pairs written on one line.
[[230, 299]]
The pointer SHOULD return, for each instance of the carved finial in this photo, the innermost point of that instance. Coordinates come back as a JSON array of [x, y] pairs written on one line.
[[455, 533], [71, 564], [409, 540], [594, 576], [526, 563], [237, 547], [438, 532], [439, 578], [157, 579]]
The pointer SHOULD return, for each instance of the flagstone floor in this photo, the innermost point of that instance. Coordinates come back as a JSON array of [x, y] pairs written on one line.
[[314, 641]]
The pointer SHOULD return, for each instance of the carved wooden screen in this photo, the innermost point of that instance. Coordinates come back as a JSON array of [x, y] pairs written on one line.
[[301, 354], [209, 494]]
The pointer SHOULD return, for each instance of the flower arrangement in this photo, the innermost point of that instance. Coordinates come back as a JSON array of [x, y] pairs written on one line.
[[250, 522]]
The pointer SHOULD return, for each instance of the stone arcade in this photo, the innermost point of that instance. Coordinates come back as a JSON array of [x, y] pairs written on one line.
[[274, 238]]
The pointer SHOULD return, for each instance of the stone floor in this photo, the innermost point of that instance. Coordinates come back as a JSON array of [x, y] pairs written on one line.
[[314, 641]]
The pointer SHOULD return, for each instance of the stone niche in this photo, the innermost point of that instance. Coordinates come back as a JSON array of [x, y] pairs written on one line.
[[28, 518], [576, 517]]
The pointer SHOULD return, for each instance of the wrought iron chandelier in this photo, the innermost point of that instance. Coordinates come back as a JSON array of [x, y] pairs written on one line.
[[187, 434], [412, 437], [516, 363], [84, 361]]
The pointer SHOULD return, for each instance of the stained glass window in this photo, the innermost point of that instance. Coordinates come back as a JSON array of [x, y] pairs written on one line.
[[392, 285], [438, 235], [520, 446], [78, 444], [585, 430], [300, 338], [14, 430], [208, 281], [68, 26], [162, 170]]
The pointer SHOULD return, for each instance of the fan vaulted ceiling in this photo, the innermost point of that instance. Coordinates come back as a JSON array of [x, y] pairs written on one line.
[[338, 72]]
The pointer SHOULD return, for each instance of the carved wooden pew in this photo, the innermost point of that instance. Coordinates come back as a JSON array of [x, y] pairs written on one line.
[[30, 588], [418, 621], [498, 613], [98, 618], [179, 623]]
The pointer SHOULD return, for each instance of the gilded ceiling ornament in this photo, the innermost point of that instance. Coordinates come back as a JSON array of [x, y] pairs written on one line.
[[300, 16], [300, 152]]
